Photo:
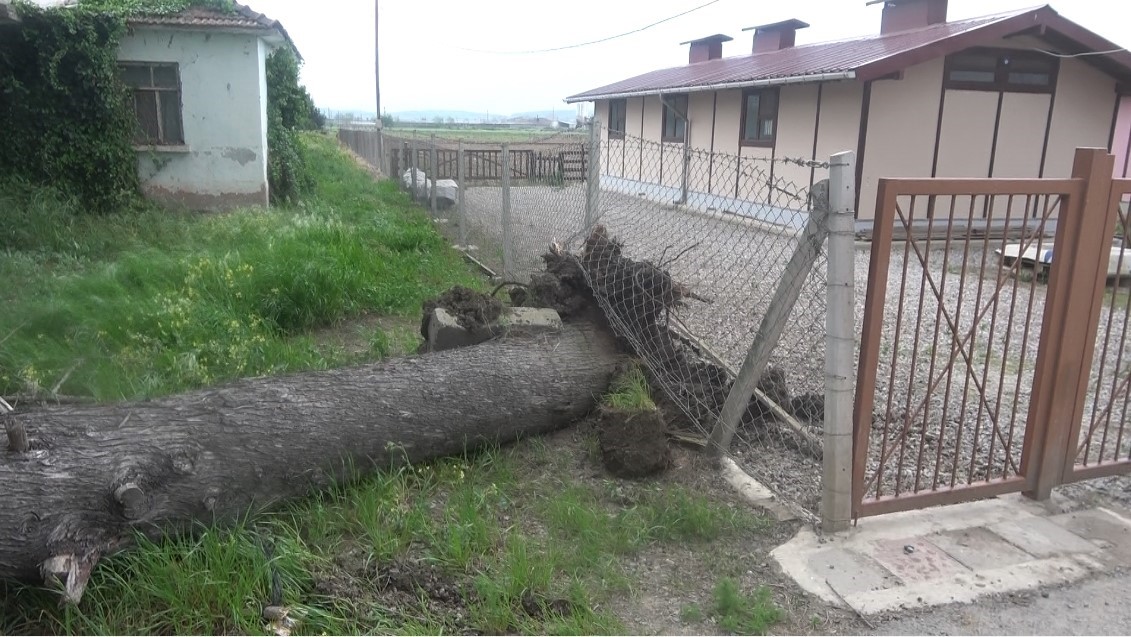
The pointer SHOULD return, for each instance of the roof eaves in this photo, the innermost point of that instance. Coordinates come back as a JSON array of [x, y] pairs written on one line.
[[590, 96], [1001, 27]]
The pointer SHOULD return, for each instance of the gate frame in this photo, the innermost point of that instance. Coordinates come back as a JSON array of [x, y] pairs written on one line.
[[1073, 298]]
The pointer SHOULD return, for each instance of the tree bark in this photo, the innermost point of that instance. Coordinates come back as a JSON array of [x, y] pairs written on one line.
[[91, 476]]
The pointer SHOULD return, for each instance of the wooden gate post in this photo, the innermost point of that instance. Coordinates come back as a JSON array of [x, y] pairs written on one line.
[[1068, 332]]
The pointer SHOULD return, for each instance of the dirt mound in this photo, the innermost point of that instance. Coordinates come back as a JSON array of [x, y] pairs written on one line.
[[472, 309], [634, 444]]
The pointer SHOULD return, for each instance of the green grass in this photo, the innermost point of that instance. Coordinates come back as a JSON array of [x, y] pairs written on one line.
[[630, 392], [744, 613], [150, 302], [524, 551]]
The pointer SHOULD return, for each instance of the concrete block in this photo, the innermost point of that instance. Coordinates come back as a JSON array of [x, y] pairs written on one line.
[[529, 320], [849, 572], [1039, 537], [1102, 528], [916, 560], [444, 332], [979, 549]]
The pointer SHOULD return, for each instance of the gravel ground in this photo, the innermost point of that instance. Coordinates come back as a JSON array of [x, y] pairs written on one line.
[[737, 266]]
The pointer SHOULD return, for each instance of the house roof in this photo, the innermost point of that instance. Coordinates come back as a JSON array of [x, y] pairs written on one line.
[[240, 17], [870, 57], [199, 17]]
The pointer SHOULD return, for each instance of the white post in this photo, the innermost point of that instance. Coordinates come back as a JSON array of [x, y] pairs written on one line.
[[432, 170], [593, 176], [412, 150], [769, 332], [685, 181], [508, 256], [840, 335], [459, 193]]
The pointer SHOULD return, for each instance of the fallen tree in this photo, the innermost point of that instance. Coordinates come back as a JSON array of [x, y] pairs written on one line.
[[80, 481]]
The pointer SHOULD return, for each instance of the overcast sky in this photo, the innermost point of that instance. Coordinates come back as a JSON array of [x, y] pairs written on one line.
[[426, 64]]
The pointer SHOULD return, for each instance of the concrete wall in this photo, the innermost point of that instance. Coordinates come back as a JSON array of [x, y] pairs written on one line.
[[224, 109]]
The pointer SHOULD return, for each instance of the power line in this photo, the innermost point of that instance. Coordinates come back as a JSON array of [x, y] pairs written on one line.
[[581, 44]]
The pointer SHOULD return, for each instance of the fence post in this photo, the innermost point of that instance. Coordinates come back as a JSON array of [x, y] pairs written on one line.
[[412, 151], [593, 176], [434, 172], [1077, 280], [840, 339], [460, 211], [508, 256], [769, 332], [684, 182]]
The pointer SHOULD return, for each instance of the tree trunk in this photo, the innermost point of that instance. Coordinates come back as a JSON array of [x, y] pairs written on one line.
[[92, 475]]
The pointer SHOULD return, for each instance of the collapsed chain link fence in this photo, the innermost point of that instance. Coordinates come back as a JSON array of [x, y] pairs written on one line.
[[686, 251]]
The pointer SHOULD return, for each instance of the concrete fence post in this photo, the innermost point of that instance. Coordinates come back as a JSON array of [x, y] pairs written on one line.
[[508, 249], [769, 332], [593, 176], [412, 164], [460, 210], [432, 172], [686, 180], [840, 341]]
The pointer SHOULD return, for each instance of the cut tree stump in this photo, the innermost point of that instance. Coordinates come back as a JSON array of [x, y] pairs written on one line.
[[87, 477]]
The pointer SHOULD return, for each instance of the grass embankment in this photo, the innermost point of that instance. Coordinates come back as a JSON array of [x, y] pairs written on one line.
[[145, 303], [151, 302]]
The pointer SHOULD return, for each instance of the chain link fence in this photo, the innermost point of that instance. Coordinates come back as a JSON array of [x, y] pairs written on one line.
[[710, 265]]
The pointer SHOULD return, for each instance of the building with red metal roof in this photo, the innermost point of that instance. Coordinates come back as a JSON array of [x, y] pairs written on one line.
[[1010, 94]]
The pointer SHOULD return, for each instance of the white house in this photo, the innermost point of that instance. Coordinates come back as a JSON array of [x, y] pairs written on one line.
[[200, 94]]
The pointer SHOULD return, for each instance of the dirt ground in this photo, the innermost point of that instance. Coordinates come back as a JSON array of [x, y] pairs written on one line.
[[668, 579]]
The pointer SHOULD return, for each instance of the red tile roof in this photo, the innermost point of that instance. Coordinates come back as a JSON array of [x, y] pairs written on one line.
[[864, 58]]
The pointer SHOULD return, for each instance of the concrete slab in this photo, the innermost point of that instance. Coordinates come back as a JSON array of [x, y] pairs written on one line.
[[916, 560], [979, 548], [1039, 537], [529, 320], [850, 573], [445, 332], [1103, 528]]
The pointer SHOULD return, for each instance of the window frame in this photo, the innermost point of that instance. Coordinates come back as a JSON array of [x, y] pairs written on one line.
[[759, 142], [679, 122], [614, 132], [159, 95], [1001, 83]]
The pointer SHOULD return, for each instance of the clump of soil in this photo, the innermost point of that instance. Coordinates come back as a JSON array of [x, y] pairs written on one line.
[[472, 309], [560, 287], [634, 444]]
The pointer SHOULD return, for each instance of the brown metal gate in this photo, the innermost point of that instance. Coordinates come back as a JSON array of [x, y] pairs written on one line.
[[985, 369]]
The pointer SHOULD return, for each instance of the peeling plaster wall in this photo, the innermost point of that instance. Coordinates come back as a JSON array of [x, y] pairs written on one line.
[[223, 163]]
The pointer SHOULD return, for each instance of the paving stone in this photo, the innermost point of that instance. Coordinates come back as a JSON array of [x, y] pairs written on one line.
[[1103, 529], [979, 549], [1039, 537], [848, 572], [924, 561]]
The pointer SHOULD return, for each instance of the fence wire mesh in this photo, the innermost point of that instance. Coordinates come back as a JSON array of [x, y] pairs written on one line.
[[684, 249]]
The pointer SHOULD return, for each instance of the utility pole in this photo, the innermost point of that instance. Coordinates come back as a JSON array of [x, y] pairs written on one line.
[[377, 55], [377, 81]]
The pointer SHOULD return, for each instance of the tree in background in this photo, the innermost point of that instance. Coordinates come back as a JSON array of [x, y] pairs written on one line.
[[289, 110]]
